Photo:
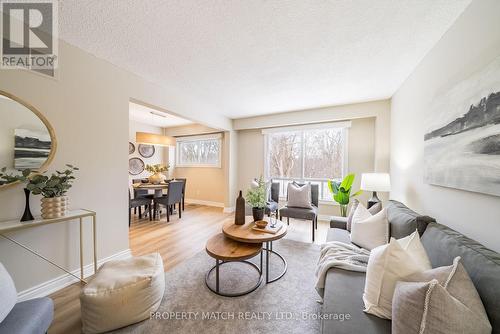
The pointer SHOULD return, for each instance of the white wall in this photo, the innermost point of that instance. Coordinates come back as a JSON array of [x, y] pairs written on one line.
[[88, 107], [468, 46], [157, 158]]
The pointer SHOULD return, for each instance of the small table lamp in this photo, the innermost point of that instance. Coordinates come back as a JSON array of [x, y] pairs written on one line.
[[375, 182]]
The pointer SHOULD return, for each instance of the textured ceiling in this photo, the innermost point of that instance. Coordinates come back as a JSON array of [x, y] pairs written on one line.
[[145, 115], [253, 57]]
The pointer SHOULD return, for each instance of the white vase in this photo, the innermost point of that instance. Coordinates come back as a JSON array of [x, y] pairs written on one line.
[[157, 178], [54, 207]]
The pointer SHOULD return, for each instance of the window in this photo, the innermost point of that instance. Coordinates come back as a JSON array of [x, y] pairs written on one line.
[[311, 153], [199, 151]]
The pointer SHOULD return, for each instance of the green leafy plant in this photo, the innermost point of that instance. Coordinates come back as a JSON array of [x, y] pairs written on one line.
[[256, 197], [341, 192], [158, 168], [52, 186], [10, 178]]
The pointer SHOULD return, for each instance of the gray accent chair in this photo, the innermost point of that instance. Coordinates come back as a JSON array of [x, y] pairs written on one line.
[[344, 289], [32, 316], [302, 213], [272, 203]]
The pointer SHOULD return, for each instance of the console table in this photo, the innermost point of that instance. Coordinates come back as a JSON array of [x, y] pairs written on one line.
[[15, 225]]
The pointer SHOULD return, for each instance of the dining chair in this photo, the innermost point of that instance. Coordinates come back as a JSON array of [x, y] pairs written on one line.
[[184, 180], [303, 213], [138, 193], [138, 203], [173, 196]]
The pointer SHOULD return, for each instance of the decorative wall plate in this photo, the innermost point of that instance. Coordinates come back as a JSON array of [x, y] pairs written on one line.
[[131, 148], [135, 166], [146, 151]]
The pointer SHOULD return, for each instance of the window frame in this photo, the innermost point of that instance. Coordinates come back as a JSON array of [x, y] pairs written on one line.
[[344, 126], [183, 139]]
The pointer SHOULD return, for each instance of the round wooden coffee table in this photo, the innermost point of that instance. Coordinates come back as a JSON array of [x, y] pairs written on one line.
[[245, 233], [225, 250]]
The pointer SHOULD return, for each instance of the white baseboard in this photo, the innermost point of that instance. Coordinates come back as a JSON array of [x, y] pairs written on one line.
[[229, 210], [58, 283], [202, 202]]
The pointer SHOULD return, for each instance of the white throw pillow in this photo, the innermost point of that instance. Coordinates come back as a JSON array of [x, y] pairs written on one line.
[[8, 293], [387, 265], [369, 231], [299, 196]]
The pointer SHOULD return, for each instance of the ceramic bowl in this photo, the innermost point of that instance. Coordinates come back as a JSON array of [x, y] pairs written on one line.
[[261, 223]]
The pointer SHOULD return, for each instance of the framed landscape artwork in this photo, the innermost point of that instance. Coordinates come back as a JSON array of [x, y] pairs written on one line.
[[31, 148], [462, 139]]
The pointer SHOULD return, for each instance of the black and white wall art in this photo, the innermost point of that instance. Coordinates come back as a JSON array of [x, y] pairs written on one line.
[[31, 148], [462, 141]]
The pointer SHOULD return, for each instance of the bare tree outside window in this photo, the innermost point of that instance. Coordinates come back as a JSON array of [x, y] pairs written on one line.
[[285, 155], [199, 152], [323, 154], [309, 155]]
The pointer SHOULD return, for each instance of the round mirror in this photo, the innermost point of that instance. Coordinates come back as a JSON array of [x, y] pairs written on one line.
[[27, 141]]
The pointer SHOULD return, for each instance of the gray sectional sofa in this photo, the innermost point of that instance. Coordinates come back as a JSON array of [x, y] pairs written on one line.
[[344, 289]]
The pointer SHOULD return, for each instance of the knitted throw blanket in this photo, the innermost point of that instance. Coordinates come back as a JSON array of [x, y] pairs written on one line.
[[340, 255]]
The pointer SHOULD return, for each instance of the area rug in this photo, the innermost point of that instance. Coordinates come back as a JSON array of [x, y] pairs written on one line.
[[289, 305]]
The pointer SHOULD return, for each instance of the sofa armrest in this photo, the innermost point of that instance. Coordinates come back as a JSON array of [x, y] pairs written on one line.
[[338, 222]]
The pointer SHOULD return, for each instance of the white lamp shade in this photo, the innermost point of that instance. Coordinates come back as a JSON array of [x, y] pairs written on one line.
[[376, 182]]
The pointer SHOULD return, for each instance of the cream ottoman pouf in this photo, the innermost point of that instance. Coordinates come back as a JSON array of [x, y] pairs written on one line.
[[122, 292]]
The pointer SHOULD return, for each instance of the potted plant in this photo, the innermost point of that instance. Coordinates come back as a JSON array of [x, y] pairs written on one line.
[[157, 177], [256, 198], [341, 192], [53, 189]]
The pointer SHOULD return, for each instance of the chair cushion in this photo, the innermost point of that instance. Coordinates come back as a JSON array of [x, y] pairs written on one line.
[[8, 293], [482, 264], [299, 213], [122, 292], [33, 316]]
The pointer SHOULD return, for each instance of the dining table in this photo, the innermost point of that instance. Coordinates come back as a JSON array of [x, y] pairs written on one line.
[[158, 189]]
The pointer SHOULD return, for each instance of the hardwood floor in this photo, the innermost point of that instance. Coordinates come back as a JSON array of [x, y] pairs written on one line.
[[176, 241]]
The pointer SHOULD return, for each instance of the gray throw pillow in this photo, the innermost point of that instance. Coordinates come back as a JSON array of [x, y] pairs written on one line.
[[447, 304], [299, 196]]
